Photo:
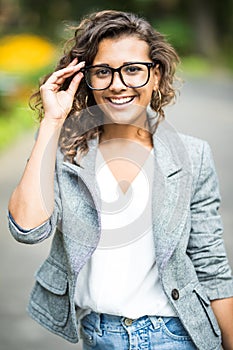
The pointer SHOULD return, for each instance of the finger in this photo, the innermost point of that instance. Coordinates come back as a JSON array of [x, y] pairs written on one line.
[[59, 76], [76, 69], [73, 62], [74, 84]]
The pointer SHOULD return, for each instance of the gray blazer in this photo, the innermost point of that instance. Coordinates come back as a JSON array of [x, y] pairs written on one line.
[[190, 253]]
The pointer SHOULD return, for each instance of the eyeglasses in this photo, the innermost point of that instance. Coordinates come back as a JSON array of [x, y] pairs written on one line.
[[132, 75]]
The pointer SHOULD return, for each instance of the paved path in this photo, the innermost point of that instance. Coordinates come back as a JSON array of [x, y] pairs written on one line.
[[203, 110]]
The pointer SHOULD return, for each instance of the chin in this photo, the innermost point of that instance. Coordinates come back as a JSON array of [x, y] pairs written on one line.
[[130, 115]]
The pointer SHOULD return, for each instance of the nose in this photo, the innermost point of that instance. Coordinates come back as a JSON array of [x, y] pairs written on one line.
[[117, 83]]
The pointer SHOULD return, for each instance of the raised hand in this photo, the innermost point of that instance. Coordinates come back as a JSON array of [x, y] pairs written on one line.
[[57, 103]]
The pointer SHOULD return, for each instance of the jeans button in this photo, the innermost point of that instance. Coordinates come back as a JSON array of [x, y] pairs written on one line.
[[175, 294], [128, 321]]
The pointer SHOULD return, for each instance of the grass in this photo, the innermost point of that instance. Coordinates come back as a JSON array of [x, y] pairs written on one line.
[[197, 66]]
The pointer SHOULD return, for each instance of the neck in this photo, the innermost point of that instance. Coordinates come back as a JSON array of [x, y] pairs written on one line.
[[128, 132]]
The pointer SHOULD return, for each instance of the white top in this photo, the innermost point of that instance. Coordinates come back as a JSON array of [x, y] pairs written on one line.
[[121, 277]]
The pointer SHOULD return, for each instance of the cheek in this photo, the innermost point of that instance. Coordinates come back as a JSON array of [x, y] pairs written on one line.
[[94, 95], [97, 97]]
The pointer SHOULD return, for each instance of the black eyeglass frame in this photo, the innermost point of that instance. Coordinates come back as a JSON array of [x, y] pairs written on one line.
[[149, 65]]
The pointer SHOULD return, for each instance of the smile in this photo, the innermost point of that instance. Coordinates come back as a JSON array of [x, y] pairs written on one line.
[[120, 100]]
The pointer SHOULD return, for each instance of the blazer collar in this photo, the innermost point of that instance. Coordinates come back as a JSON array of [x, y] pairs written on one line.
[[169, 152], [170, 200]]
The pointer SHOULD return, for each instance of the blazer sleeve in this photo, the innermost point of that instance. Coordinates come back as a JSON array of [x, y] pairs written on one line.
[[206, 246], [45, 230]]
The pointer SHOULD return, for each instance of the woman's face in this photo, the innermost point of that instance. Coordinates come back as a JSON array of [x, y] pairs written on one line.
[[122, 104]]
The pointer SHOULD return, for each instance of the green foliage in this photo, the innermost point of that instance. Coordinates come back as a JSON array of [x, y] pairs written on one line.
[[13, 122], [178, 32], [15, 114], [196, 66]]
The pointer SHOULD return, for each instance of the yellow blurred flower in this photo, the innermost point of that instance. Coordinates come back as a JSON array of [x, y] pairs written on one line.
[[25, 53]]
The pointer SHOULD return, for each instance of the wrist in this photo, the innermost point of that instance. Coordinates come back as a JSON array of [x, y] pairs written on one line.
[[55, 123], [50, 128]]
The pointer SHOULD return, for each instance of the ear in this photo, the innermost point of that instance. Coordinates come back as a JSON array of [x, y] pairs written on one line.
[[157, 77]]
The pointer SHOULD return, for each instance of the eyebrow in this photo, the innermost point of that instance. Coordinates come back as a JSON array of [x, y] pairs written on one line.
[[101, 64], [107, 65]]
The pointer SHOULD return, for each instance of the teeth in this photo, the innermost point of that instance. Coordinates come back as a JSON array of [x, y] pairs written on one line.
[[120, 101]]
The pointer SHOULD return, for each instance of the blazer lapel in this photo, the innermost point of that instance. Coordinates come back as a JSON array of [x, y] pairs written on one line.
[[81, 215], [170, 199], [86, 171]]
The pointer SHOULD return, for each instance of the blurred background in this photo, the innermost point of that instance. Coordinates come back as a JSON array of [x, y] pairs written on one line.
[[32, 34]]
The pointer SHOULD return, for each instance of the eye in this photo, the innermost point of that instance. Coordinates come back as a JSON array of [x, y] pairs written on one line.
[[132, 69], [101, 72]]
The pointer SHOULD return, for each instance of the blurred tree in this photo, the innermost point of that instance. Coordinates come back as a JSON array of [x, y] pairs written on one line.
[[10, 16], [210, 24], [204, 19], [200, 26], [45, 15]]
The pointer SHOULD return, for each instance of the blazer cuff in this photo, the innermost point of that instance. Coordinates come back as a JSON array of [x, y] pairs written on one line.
[[221, 291], [31, 236], [19, 228]]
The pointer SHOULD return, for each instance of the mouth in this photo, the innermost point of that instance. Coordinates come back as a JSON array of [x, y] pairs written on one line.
[[119, 101]]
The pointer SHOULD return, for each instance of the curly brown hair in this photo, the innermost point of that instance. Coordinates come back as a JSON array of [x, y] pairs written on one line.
[[81, 125]]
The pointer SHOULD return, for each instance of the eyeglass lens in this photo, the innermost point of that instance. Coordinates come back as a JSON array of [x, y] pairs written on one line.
[[133, 75]]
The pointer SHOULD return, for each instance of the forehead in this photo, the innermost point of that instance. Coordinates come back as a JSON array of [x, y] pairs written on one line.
[[115, 51]]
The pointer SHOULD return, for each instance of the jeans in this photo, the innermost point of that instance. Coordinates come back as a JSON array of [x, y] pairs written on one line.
[[108, 332]]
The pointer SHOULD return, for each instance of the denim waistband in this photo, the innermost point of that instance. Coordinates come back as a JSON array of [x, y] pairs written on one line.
[[118, 324]]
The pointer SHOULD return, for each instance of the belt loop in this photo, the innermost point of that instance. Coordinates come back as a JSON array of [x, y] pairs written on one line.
[[155, 321], [98, 318]]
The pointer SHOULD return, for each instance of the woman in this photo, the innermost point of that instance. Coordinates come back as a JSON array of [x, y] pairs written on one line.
[[137, 259]]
